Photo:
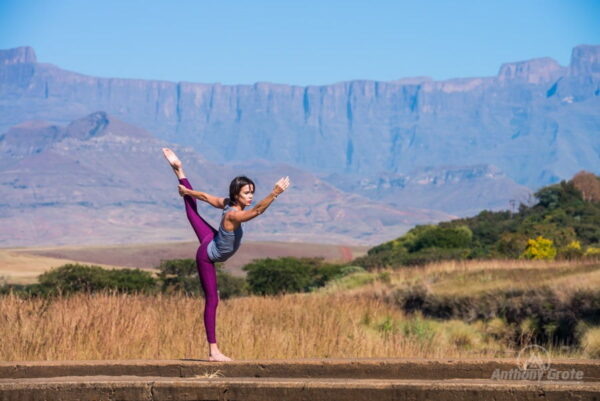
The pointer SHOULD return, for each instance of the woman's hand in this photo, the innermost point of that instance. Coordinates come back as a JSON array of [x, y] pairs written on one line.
[[281, 185], [183, 190]]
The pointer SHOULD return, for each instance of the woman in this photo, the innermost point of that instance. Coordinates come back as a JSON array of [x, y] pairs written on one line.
[[219, 245]]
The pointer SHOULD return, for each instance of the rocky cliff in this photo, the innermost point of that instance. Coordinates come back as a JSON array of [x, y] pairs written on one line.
[[536, 121]]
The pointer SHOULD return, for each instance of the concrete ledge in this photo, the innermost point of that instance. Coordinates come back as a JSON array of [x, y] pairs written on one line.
[[362, 368], [159, 389]]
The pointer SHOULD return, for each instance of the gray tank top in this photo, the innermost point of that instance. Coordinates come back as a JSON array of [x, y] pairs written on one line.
[[225, 243]]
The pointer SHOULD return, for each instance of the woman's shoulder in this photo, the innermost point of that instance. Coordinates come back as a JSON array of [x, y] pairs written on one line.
[[229, 208]]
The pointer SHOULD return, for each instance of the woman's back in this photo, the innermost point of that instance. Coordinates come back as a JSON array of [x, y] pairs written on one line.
[[225, 243]]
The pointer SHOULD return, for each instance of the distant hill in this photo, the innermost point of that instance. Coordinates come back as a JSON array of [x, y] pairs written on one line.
[[99, 180], [567, 213]]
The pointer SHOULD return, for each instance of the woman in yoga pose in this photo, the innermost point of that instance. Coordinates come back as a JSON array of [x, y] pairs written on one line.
[[219, 245]]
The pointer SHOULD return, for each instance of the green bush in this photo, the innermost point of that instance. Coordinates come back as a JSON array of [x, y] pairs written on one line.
[[546, 316], [571, 251], [430, 255], [23, 290], [347, 270], [287, 275], [72, 278], [179, 275], [443, 237], [511, 245], [277, 276], [229, 285]]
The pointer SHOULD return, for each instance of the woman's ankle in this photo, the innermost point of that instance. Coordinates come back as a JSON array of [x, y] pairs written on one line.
[[180, 174], [213, 349]]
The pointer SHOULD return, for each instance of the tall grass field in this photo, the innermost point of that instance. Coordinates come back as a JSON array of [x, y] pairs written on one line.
[[366, 314]]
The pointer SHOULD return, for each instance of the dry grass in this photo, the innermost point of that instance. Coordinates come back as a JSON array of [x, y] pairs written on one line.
[[291, 326], [477, 276], [591, 342], [345, 319]]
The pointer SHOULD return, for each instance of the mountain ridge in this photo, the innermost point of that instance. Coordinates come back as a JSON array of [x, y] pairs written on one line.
[[584, 59], [361, 127], [433, 148]]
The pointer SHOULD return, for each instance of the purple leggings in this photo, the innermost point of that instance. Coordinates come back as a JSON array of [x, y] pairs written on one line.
[[206, 269]]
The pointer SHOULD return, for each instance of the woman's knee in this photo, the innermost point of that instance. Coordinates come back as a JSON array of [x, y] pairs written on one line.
[[211, 298]]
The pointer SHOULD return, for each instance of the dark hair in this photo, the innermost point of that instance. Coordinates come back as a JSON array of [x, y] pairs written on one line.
[[236, 186]]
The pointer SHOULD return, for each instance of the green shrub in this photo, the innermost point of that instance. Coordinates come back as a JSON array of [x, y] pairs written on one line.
[[430, 255], [229, 285], [592, 252], [381, 260], [511, 245], [443, 237], [288, 275], [347, 270], [179, 275], [277, 276], [571, 251], [72, 278], [24, 290], [541, 314]]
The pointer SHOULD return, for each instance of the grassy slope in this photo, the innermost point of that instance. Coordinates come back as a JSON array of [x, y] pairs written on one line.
[[478, 276]]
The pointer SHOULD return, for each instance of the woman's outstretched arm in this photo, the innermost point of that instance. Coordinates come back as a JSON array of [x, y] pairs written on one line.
[[245, 215], [214, 201]]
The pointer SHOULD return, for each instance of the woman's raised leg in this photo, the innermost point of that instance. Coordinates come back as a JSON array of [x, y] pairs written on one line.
[[201, 227]]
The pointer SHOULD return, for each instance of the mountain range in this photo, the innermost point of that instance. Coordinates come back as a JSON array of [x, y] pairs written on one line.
[[382, 155]]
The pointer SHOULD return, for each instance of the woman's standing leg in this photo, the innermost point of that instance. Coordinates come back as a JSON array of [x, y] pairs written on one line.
[[208, 279], [206, 269]]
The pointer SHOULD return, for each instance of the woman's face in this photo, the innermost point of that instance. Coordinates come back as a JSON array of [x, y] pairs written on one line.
[[245, 196]]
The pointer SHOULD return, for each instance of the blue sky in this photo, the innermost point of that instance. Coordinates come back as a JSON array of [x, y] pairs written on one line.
[[308, 42]]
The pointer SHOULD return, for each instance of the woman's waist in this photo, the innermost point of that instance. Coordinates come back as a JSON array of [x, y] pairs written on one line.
[[229, 238]]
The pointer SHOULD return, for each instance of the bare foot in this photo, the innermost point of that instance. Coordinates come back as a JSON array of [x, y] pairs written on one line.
[[174, 162], [172, 158], [219, 358]]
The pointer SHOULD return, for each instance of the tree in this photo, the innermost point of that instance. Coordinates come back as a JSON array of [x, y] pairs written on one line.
[[589, 186]]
